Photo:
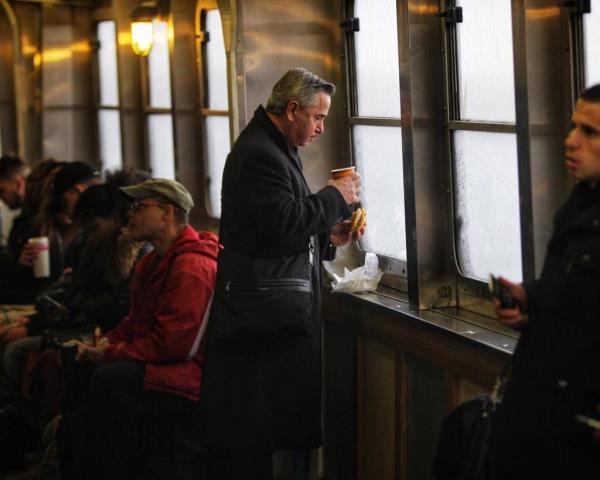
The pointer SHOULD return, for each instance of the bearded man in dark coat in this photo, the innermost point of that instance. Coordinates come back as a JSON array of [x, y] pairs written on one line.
[[538, 430], [261, 389]]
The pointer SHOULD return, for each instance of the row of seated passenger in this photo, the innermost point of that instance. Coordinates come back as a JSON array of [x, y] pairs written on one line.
[[101, 386]]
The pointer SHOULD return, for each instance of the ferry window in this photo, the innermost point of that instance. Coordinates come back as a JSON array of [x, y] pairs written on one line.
[[486, 185], [591, 26], [215, 105], [484, 146], [376, 125], [160, 119], [160, 145], [376, 53], [384, 180], [109, 120], [158, 68], [485, 62]]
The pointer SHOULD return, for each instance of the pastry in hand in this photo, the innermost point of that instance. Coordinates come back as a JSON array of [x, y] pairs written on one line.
[[359, 217]]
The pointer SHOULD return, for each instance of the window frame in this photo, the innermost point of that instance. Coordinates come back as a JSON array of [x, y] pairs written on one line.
[[471, 290], [396, 271], [204, 111], [577, 39]]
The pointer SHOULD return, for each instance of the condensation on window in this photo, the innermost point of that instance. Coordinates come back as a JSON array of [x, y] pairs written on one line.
[[485, 61], [160, 143], [109, 126], [216, 62], [159, 77], [108, 84], [376, 50], [217, 148], [487, 215], [591, 27], [378, 158]]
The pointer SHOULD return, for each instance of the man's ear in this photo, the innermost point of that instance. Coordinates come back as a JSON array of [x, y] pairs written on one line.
[[169, 210], [20, 182], [292, 110]]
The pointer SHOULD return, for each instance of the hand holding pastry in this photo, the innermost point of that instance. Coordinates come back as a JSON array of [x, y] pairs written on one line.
[[350, 230]]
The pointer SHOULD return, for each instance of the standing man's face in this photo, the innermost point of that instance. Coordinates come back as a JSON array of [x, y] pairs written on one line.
[[12, 191], [307, 123], [583, 142]]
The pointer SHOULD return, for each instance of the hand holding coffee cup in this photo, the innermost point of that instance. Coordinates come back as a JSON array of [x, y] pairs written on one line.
[[35, 254], [342, 172], [347, 181], [28, 255]]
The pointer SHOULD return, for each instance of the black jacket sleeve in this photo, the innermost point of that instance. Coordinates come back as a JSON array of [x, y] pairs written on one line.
[[276, 210]]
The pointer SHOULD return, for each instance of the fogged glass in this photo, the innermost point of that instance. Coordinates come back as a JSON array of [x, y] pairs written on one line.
[[487, 204], [376, 47], [592, 44], [107, 64], [160, 141], [378, 156], [216, 62], [217, 149], [109, 135], [485, 61], [158, 67]]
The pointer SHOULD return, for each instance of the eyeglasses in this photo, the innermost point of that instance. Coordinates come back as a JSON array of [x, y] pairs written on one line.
[[138, 205]]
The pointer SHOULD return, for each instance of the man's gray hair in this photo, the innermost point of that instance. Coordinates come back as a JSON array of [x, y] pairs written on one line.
[[300, 85]]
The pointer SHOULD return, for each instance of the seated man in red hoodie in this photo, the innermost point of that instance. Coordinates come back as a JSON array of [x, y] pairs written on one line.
[[159, 346]]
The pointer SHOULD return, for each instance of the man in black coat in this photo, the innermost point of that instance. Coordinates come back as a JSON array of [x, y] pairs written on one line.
[[262, 383], [556, 367]]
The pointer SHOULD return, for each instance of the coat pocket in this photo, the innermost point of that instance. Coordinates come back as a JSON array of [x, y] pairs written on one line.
[[262, 298], [263, 309]]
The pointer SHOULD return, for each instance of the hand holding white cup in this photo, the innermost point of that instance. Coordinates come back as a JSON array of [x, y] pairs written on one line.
[[36, 254]]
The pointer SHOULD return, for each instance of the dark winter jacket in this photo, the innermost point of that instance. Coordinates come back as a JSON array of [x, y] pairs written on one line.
[[556, 372], [265, 393], [165, 326], [96, 294]]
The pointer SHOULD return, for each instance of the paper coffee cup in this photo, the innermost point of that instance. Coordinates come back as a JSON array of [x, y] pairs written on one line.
[[342, 172], [41, 265]]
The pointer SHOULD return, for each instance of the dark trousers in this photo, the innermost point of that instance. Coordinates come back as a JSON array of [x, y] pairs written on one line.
[[133, 435], [241, 465], [117, 406], [301, 460], [100, 441]]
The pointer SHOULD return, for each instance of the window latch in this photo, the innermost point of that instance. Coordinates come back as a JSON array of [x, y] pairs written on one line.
[[95, 45], [203, 36], [351, 25], [452, 15], [578, 6]]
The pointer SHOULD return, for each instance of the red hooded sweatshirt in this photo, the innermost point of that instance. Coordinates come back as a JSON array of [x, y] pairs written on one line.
[[167, 314]]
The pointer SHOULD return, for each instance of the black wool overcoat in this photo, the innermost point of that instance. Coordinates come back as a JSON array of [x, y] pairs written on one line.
[[265, 394], [556, 366]]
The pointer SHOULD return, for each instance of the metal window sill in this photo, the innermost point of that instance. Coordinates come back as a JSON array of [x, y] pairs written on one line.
[[470, 327]]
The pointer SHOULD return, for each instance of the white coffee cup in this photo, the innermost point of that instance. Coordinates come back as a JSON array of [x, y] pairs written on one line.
[[41, 264]]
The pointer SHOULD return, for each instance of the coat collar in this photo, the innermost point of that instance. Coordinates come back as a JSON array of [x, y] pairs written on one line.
[[186, 241], [581, 211], [291, 151]]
